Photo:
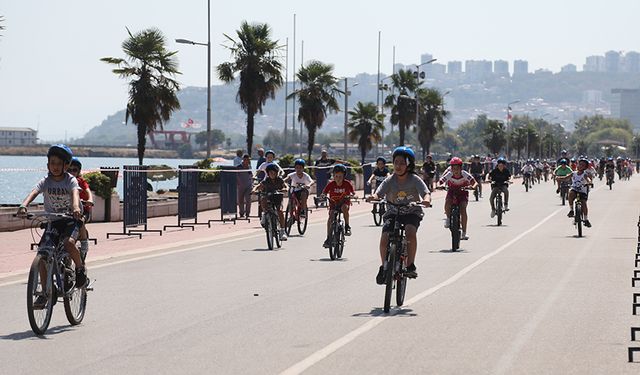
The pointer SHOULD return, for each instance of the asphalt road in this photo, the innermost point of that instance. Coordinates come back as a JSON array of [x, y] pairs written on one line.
[[525, 298]]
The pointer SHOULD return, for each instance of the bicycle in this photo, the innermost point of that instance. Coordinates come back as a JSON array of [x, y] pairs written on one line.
[[610, 175], [395, 264], [271, 221], [577, 213], [476, 191], [337, 231], [53, 260], [378, 211], [527, 182], [455, 222], [499, 203], [293, 212]]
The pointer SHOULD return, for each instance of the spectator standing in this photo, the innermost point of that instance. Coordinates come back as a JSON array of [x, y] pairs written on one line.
[[238, 159], [245, 184]]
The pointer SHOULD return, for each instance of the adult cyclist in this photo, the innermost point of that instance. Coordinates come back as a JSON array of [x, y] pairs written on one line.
[[477, 171]]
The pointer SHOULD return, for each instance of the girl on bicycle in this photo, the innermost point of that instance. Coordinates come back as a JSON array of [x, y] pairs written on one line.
[[338, 192], [75, 169], [458, 183], [300, 183], [403, 187], [272, 183]]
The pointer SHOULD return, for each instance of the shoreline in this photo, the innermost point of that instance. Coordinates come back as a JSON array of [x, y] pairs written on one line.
[[106, 152]]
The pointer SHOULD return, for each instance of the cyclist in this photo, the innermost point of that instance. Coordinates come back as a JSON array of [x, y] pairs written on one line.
[[527, 172], [610, 169], [539, 167], [574, 164], [300, 183], [477, 171], [563, 155], [271, 156], [429, 171], [499, 178], [75, 169], [379, 173], [338, 191], [403, 187], [61, 194], [562, 173], [457, 181], [273, 183], [580, 181], [545, 170]]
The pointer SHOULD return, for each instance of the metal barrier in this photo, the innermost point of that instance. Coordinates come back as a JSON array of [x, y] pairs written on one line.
[[322, 179], [135, 202], [228, 195], [187, 198]]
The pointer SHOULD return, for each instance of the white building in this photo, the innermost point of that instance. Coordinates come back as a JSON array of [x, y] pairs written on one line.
[[18, 136]]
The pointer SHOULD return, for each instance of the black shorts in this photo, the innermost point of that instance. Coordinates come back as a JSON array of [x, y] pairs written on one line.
[[61, 229], [299, 193], [409, 219], [583, 196], [276, 200]]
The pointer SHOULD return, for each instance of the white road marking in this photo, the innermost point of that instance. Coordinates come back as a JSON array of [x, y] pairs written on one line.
[[373, 322]]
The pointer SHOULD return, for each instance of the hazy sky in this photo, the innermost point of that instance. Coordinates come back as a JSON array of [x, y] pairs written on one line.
[[50, 71]]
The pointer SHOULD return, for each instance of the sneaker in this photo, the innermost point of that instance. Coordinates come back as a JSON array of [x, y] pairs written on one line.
[[446, 223], [464, 236], [380, 276], [81, 277], [347, 230], [327, 243], [411, 271], [570, 214], [40, 303], [587, 223], [283, 235], [493, 213], [558, 191], [506, 208]]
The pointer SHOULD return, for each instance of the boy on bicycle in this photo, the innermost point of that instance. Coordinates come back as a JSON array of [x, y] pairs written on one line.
[[403, 187], [477, 171], [562, 173], [272, 183], [75, 169], [458, 181], [499, 178], [580, 181], [61, 195], [300, 183], [338, 192], [527, 172], [379, 173]]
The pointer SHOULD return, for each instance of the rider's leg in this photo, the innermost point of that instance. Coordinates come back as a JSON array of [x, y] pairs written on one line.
[[505, 191], [247, 201], [494, 192], [384, 241], [572, 196], [412, 243], [241, 201], [447, 208], [303, 199], [281, 217], [463, 216], [329, 222], [345, 212]]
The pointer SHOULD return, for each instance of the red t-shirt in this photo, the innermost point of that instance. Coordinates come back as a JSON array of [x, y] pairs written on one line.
[[336, 193], [84, 195]]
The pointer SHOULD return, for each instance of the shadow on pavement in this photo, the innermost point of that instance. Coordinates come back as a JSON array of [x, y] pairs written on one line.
[[449, 251], [378, 311], [27, 335], [328, 260]]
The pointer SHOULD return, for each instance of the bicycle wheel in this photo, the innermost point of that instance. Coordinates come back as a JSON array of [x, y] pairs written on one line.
[[563, 194], [499, 209], [578, 218], [75, 303], [391, 266], [275, 231], [401, 287], [377, 218], [455, 228], [302, 223], [288, 218], [476, 193], [333, 245], [526, 185], [340, 242], [39, 318], [269, 230]]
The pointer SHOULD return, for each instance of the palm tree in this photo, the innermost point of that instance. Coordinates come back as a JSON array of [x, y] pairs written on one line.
[[432, 116], [494, 136], [365, 127], [152, 93], [403, 105], [255, 59], [317, 96]]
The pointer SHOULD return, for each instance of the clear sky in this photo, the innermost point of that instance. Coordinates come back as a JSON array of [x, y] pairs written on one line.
[[50, 73]]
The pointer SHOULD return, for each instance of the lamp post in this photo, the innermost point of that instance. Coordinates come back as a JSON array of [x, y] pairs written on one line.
[[509, 126], [346, 113], [418, 76], [208, 45], [381, 88]]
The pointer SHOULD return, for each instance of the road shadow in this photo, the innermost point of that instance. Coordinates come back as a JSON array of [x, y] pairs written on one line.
[[328, 260], [394, 311], [29, 335], [448, 251], [262, 250], [495, 226]]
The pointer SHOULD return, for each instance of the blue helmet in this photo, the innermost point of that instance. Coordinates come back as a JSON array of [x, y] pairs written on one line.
[[62, 151], [563, 161], [76, 161], [502, 160], [408, 153], [299, 162]]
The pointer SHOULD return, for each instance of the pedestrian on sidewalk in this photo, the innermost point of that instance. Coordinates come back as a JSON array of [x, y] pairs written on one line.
[[238, 159], [245, 184]]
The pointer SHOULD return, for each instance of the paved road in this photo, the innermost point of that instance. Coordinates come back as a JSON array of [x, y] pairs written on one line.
[[524, 298]]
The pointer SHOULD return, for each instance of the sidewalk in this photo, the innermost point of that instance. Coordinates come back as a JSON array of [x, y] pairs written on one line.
[[16, 257]]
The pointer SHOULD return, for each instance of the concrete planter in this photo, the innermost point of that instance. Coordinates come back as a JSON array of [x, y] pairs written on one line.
[[99, 209]]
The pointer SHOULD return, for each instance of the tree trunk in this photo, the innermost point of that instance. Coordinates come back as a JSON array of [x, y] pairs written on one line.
[[142, 141], [401, 129], [311, 130], [250, 126], [363, 154]]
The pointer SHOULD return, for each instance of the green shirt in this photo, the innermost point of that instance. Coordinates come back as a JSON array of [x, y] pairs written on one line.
[[563, 170]]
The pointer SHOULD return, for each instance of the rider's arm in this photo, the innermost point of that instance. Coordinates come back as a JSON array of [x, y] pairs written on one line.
[[75, 203], [34, 193]]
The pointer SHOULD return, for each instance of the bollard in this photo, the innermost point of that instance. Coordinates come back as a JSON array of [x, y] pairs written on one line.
[[635, 308]]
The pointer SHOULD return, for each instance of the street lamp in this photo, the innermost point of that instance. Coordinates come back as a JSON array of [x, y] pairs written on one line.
[[418, 76], [208, 45], [508, 126], [346, 113]]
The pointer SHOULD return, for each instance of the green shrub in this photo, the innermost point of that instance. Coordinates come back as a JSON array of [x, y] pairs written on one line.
[[355, 164], [286, 161], [99, 184], [207, 176]]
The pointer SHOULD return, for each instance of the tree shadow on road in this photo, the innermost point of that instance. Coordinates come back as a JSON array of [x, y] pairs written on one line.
[[29, 335], [379, 311]]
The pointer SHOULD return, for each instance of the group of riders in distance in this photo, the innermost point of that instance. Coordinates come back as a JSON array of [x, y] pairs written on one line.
[[399, 197]]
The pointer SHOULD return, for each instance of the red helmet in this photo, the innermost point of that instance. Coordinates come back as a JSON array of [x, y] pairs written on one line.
[[455, 161]]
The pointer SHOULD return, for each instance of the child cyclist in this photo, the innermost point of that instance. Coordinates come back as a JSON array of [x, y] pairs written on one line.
[[61, 195], [379, 173], [458, 181], [580, 182], [272, 183], [499, 178], [300, 183], [339, 192], [75, 169], [403, 187]]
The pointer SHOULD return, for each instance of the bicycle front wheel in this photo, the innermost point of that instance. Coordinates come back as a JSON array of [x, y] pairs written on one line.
[[340, 242], [288, 218], [455, 228], [391, 266], [499, 210], [269, 230], [75, 303], [578, 218], [39, 316], [302, 223], [334, 245], [276, 232], [377, 216]]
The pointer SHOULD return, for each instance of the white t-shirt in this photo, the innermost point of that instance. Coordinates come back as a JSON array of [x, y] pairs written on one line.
[[527, 168], [304, 180], [579, 182], [57, 194], [263, 167], [453, 182]]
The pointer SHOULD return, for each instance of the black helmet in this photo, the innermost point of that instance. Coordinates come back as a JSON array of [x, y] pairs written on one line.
[[380, 158], [62, 151], [339, 168], [271, 167]]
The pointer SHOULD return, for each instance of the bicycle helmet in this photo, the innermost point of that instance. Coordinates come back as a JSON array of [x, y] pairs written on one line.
[[339, 168], [271, 167], [61, 151], [455, 161], [563, 161], [610, 159], [584, 159], [76, 161], [299, 162], [408, 154], [502, 160], [383, 160], [563, 151], [270, 152]]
